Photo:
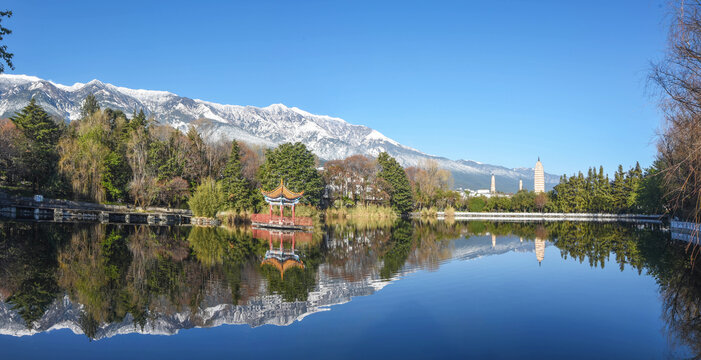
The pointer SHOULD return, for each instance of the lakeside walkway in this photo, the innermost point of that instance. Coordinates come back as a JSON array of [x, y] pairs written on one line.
[[26, 208], [513, 216]]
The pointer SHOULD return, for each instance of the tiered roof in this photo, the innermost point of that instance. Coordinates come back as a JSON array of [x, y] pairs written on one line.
[[281, 194]]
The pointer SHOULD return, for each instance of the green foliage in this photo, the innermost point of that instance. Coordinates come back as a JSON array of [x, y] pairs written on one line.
[[596, 194], [399, 247], [523, 201], [138, 121], [498, 204], [208, 199], [34, 296], [29, 266], [116, 176], [89, 106], [41, 134], [396, 182], [83, 152], [5, 55], [165, 158], [650, 194], [238, 191], [116, 256], [297, 166], [477, 204]]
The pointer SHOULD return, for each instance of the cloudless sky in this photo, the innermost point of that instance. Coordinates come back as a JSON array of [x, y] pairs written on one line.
[[500, 82]]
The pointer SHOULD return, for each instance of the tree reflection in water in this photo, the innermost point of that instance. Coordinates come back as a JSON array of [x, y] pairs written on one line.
[[140, 274]]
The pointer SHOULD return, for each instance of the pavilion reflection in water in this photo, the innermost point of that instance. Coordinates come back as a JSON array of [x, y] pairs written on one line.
[[282, 258]]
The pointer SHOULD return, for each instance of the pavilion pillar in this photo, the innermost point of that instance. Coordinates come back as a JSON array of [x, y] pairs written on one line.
[[282, 207], [293, 213], [293, 238], [270, 213]]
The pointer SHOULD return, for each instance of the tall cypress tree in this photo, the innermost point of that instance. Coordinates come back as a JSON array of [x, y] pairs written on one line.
[[236, 188], [42, 133], [399, 190]]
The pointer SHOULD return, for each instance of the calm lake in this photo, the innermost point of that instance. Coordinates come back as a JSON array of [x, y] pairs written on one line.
[[406, 290]]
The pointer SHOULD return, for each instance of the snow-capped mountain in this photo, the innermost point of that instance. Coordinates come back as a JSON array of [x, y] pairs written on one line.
[[328, 137]]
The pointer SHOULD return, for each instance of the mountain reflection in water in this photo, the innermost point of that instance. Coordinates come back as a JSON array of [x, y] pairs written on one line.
[[104, 280]]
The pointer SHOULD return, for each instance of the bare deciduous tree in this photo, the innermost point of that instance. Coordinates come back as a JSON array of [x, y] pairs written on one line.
[[678, 77]]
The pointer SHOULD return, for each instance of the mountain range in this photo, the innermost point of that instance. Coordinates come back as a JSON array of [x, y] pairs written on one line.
[[328, 137]]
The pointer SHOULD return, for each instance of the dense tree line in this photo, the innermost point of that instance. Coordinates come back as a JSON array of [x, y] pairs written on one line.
[[106, 156], [632, 191]]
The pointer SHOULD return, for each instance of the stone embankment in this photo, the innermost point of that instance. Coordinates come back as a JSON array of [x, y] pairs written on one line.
[[39, 209], [205, 221], [685, 231]]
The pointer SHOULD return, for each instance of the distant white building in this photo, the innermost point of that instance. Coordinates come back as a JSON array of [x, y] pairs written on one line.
[[539, 178], [483, 192]]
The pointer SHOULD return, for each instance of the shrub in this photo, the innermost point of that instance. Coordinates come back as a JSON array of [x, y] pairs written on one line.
[[208, 199]]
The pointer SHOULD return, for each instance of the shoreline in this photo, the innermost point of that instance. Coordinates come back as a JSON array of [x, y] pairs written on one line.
[[508, 216]]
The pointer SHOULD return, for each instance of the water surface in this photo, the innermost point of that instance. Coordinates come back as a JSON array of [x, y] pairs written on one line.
[[409, 290]]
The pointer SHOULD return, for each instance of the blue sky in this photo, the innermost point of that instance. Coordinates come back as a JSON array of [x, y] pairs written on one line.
[[500, 82]]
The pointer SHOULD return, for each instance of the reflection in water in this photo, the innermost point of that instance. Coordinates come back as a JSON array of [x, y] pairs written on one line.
[[539, 249], [281, 259], [102, 280]]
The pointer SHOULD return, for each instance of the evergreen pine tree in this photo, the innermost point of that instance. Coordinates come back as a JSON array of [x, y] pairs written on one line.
[[297, 166], [618, 190], [90, 105], [42, 134], [632, 186], [236, 188], [138, 120], [399, 189]]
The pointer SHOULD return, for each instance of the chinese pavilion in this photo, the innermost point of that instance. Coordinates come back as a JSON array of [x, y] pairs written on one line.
[[281, 196]]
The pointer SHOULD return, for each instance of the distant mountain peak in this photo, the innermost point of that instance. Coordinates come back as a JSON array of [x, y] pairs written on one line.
[[328, 137]]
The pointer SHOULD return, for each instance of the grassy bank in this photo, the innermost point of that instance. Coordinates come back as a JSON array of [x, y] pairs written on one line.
[[362, 216]]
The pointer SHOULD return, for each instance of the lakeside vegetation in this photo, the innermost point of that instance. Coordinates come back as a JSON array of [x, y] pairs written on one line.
[[108, 157]]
